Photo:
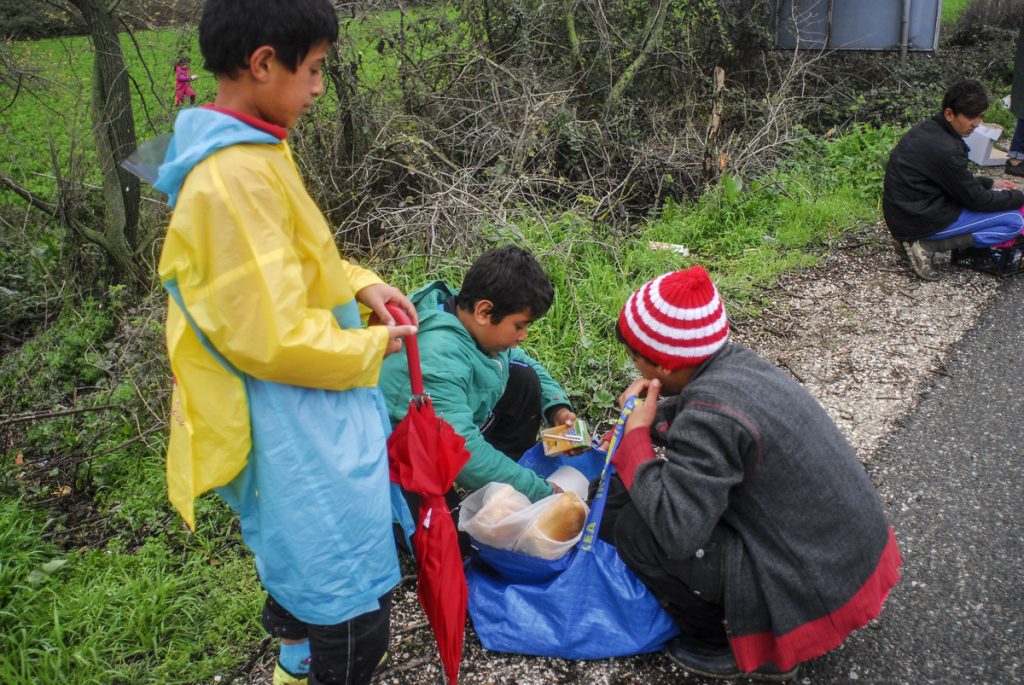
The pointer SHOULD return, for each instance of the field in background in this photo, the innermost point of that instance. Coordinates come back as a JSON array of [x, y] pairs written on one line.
[[51, 115]]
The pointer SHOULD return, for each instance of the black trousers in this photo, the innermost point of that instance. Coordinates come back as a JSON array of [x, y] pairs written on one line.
[[513, 424], [342, 654], [689, 589]]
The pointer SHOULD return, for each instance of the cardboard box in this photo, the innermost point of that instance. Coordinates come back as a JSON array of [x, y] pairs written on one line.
[[982, 146]]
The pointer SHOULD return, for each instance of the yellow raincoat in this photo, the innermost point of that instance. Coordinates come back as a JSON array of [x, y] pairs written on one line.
[[248, 262], [274, 400]]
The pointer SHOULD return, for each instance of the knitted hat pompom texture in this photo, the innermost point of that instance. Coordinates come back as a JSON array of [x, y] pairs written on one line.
[[676, 320]]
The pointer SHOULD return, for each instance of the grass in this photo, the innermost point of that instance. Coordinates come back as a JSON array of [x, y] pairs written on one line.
[[51, 117], [149, 616], [952, 9], [998, 114]]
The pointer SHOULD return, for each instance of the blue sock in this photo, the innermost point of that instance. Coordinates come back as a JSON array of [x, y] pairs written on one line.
[[295, 658]]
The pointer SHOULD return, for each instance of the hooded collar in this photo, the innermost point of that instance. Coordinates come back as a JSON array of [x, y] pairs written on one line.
[[200, 132], [279, 132]]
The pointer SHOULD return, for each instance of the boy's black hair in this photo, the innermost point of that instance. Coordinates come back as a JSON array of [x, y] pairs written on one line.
[[622, 339], [230, 30], [511, 279], [967, 97]]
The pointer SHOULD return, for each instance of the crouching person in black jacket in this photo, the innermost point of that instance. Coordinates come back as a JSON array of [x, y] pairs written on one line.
[[756, 526], [932, 202]]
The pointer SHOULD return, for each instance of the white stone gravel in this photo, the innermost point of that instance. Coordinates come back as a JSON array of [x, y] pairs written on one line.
[[861, 332]]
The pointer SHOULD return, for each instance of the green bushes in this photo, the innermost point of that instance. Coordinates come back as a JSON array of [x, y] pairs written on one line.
[[745, 234], [100, 582], [966, 17], [66, 356]]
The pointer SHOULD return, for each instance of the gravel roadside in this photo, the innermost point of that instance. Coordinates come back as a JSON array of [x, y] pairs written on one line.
[[860, 331]]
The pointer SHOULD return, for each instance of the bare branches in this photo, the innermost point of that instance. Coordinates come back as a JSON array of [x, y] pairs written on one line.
[[36, 416], [465, 142], [28, 196], [10, 75]]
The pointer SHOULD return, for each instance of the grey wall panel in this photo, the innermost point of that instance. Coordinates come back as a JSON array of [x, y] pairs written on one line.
[[854, 24]]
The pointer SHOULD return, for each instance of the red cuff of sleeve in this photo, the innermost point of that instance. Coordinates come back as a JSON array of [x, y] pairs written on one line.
[[634, 450]]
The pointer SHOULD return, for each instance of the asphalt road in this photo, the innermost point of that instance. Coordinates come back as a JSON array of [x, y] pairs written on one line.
[[952, 482]]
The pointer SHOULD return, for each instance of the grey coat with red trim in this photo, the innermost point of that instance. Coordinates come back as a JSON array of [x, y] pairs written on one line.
[[811, 556]]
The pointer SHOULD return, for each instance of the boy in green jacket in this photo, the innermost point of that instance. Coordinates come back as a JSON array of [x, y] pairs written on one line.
[[490, 391]]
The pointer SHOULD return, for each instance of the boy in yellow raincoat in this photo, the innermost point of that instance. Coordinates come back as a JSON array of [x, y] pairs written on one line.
[[275, 401]]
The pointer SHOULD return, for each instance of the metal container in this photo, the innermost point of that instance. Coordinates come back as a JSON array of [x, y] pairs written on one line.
[[857, 24]]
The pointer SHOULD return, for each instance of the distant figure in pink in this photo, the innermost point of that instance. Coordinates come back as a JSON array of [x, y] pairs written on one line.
[[183, 79]]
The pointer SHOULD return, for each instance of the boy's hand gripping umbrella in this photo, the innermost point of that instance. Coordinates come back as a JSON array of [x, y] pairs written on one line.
[[425, 455]]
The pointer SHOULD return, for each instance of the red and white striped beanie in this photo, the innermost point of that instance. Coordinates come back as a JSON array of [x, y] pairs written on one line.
[[676, 320]]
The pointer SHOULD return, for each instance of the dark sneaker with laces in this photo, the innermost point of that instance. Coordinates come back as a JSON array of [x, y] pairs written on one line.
[[920, 260], [1014, 169], [718, 662]]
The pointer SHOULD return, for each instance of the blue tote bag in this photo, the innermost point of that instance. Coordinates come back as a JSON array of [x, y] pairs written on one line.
[[586, 605]]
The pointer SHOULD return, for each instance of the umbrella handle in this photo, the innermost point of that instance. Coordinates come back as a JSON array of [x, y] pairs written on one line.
[[412, 350]]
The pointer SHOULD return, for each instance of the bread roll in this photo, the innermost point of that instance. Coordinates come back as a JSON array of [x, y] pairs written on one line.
[[503, 501], [563, 519]]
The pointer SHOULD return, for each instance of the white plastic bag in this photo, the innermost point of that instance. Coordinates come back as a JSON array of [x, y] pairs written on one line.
[[491, 515], [535, 542], [499, 516]]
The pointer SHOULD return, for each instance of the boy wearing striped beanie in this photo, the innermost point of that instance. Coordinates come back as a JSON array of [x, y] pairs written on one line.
[[757, 528]]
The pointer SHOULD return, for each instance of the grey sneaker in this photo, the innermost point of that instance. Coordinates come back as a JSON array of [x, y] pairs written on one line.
[[920, 260]]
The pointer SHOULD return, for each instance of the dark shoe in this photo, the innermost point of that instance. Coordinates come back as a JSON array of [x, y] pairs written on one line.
[[920, 260], [718, 662], [897, 247], [956, 242], [1014, 169]]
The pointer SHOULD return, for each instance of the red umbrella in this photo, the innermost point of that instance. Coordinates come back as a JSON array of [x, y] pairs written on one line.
[[425, 456]]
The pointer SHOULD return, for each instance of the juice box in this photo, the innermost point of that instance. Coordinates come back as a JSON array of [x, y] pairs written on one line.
[[564, 438]]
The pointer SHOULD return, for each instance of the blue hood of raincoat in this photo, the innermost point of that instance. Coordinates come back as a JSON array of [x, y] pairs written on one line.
[[198, 133]]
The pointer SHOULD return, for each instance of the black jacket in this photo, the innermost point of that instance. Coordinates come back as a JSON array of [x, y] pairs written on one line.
[[1017, 91], [927, 183]]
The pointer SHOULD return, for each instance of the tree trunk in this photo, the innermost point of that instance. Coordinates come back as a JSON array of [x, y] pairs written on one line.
[[113, 127], [651, 37]]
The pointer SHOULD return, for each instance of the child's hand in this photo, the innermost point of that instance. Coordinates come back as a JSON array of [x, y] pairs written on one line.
[[1003, 184], [567, 417], [637, 387], [564, 416], [643, 414], [378, 296], [395, 336]]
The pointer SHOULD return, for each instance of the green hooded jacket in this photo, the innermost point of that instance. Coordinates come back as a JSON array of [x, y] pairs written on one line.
[[464, 384]]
